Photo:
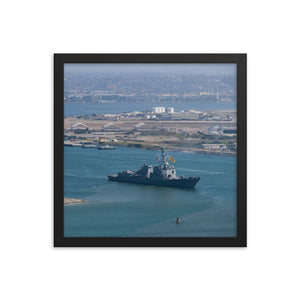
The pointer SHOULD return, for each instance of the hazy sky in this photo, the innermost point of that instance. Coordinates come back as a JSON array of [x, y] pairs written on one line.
[[126, 68]]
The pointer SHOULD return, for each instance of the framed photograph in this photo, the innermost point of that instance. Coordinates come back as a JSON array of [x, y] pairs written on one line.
[[150, 150]]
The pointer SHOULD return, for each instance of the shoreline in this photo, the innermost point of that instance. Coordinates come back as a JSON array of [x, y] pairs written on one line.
[[69, 201], [170, 148], [177, 149]]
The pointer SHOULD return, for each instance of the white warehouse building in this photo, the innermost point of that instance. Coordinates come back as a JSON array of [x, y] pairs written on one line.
[[170, 110]]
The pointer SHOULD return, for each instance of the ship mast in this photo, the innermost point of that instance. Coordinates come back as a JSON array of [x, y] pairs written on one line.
[[163, 156]]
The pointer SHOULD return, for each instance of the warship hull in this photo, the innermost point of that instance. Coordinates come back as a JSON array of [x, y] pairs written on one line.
[[177, 183]]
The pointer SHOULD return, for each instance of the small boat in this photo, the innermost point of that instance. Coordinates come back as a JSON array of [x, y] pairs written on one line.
[[105, 147]]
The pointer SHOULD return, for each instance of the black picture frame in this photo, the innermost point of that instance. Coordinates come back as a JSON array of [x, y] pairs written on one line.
[[60, 241]]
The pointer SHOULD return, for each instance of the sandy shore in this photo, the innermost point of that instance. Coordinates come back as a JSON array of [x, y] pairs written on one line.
[[72, 201]]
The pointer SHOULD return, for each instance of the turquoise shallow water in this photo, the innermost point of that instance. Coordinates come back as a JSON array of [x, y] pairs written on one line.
[[122, 209]]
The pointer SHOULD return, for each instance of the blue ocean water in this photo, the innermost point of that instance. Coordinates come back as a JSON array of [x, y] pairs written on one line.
[[128, 210], [72, 109]]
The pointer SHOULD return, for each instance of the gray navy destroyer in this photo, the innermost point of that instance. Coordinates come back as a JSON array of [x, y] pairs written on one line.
[[162, 175]]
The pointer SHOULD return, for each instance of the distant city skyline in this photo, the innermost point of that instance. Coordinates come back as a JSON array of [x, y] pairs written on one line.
[[151, 68]]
